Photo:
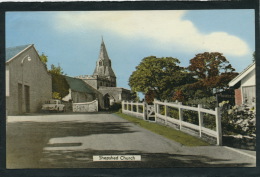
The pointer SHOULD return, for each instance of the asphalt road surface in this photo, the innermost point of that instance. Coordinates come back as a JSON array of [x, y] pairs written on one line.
[[71, 140]]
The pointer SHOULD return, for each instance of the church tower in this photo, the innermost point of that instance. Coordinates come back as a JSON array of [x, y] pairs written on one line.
[[103, 71]]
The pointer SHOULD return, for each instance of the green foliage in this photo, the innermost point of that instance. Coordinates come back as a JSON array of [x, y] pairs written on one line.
[[161, 75], [116, 107], [206, 102], [56, 95], [56, 70], [191, 117], [44, 59], [239, 120], [134, 96], [60, 85]]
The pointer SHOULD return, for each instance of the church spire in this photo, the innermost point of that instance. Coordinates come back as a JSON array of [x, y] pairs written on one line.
[[103, 65]]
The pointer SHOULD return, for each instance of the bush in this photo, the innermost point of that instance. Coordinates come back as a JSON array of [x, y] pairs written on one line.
[[239, 120], [206, 102], [116, 106]]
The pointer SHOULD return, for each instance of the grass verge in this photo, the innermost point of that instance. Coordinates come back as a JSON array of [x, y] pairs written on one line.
[[170, 133]]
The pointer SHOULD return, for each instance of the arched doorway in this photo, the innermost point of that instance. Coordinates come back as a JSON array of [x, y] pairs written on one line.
[[106, 101]]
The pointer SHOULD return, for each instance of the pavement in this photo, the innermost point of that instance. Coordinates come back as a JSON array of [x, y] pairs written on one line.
[[63, 140]]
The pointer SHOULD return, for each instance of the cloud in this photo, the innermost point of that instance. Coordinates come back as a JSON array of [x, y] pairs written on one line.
[[166, 29]]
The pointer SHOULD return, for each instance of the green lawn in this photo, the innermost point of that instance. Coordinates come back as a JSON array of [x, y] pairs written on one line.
[[170, 133]]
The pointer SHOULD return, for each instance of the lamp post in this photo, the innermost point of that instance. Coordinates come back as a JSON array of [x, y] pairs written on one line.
[[22, 63]]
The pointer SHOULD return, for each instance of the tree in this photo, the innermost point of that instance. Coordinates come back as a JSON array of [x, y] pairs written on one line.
[[159, 75], [60, 86], [212, 70], [56, 70], [44, 59]]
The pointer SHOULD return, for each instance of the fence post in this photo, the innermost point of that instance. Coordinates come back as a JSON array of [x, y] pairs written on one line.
[[127, 106], [166, 112], [144, 110], [132, 106], [180, 114], [123, 106], [200, 118], [137, 106], [155, 110], [218, 126]]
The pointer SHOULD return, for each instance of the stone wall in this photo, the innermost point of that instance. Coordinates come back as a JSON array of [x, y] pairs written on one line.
[[34, 75]]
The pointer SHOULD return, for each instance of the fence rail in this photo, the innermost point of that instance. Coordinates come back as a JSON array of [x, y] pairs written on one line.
[[128, 108], [161, 112]]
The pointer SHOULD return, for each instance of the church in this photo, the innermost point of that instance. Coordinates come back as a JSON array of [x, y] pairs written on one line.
[[104, 80]]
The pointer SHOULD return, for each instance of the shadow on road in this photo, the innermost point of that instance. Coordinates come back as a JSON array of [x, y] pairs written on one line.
[[83, 159], [26, 140]]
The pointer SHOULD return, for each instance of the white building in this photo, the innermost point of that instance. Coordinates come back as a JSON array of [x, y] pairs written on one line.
[[245, 86]]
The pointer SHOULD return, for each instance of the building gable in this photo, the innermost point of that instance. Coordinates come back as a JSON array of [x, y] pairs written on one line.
[[11, 52], [242, 75]]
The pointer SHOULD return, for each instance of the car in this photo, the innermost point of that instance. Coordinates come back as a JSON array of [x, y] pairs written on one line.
[[53, 105]]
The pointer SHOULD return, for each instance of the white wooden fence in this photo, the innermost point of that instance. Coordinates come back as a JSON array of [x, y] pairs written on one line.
[[128, 108], [85, 107], [136, 109]]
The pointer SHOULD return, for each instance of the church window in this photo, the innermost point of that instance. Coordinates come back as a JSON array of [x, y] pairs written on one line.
[[100, 63]]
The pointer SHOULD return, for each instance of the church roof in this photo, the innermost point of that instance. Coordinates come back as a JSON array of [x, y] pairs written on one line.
[[103, 52], [105, 68], [79, 85], [11, 52]]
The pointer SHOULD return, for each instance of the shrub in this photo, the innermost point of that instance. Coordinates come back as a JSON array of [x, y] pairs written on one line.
[[116, 106], [206, 102], [239, 120]]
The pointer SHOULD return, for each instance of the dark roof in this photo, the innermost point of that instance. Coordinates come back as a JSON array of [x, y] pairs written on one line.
[[10, 52], [79, 85]]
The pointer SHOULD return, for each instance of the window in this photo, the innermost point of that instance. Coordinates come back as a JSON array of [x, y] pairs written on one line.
[[248, 94], [100, 63]]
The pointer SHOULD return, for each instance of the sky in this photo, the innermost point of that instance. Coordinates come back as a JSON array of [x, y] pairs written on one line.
[[72, 39]]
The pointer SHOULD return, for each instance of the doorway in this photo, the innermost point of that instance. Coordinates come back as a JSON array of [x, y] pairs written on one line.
[[20, 97], [27, 98]]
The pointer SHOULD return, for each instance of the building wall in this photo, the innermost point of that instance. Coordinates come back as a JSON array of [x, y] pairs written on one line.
[[118, 94], [79, 97], [238, 96], [32, 74], [248, 80]]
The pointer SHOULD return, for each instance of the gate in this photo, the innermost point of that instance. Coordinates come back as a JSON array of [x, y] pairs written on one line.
[[150, 112]]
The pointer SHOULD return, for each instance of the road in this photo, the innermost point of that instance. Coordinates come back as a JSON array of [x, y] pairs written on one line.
[[70, 141]]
